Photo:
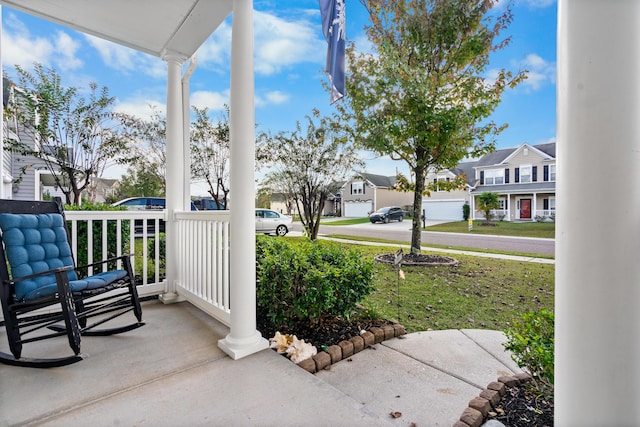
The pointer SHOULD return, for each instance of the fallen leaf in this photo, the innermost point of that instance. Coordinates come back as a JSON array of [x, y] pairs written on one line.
[[395, 414]]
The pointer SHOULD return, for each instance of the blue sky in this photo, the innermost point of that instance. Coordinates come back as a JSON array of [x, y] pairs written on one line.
[[289, 58]]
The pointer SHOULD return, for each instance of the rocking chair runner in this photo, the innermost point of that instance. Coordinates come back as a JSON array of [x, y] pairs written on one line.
[[38, 272]]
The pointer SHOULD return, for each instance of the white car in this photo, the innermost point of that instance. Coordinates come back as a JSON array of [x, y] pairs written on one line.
[[268, 221]]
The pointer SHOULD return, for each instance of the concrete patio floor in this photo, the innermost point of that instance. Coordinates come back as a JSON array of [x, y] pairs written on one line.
[[172, 373]]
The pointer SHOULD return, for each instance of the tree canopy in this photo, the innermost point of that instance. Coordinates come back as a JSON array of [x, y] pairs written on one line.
[[309, 164], [71, 134], [423, 96]]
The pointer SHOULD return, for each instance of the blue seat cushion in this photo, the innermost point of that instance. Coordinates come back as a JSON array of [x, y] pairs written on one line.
[[35, 243]]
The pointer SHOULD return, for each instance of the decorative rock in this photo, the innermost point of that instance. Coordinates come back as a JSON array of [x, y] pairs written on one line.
[[358, 344], [369, 338], [322, 360], [481, 404], [472, 417], [335, 352], [493, 423], [399, 330], [389, 332], [308, 365], [378, 333], [523, 377], [499, 387], [509, 381], [491, 395], [460, 424], [347, 348]]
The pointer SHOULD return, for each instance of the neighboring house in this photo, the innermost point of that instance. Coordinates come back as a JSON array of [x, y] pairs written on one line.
[[365, 193], [279, 203], [524, 177], [447, 205]]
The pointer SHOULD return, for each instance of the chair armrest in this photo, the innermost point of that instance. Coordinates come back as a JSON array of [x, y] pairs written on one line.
[[42, 273], [122, 257]]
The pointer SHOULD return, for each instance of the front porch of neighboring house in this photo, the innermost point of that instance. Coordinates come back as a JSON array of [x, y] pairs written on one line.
[[539, 207]]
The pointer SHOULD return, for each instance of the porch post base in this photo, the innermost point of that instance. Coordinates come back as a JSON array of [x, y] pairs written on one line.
[[237, 349], [170, 298]]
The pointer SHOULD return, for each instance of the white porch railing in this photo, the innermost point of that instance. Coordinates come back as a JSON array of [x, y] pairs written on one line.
[[203, 264], [496, 214], [134, 243], [546, 214], [203, 260]]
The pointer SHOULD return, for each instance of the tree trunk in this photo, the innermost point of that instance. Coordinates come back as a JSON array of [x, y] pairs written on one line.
[[416, 229]]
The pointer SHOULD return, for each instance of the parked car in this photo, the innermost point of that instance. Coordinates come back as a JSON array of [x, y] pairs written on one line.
[[146, 203], [268, 221], [386, 214]]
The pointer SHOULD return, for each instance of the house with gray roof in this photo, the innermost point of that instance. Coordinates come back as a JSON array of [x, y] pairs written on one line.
[[524, 178], [366, 192]]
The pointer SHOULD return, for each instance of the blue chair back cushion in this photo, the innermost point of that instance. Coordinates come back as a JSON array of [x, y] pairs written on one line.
[[35, 243]]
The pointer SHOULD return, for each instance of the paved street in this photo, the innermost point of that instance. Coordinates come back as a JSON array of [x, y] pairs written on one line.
[[402, 231]]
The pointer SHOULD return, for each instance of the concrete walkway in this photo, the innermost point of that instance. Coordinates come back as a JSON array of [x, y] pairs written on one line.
[[171, 373]]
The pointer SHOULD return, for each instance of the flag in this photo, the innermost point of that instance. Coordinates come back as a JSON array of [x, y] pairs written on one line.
[[333, 27]]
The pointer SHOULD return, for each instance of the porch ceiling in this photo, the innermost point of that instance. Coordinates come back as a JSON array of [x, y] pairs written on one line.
[[174, 27]]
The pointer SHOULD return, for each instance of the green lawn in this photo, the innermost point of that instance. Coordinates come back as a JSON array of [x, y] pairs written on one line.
[[479, 293], [501, 228]]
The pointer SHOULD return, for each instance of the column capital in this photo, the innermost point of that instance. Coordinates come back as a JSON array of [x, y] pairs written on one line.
[[172, 56]]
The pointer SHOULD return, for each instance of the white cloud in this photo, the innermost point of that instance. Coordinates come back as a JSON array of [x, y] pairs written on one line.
[[125, 59], [541, 72], [20, 47], [142, 107], [66, 48], [272, 98], [280, 43], [214, 101]]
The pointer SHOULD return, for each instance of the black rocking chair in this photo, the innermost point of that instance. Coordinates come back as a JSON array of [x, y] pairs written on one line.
[[38, 272]]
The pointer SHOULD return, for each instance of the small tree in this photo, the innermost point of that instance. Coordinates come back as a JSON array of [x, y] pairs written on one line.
[[72, 135], [310, 166], [210, 154], [424, 96], [147, 144], [487, 201]]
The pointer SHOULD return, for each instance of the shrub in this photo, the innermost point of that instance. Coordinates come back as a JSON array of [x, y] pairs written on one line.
[[82, 251], [466, 211], [308, 280], [163, 249], [531, 343]]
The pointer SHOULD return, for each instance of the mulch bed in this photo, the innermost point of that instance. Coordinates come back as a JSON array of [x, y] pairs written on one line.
[[522, 407], [418, 259]]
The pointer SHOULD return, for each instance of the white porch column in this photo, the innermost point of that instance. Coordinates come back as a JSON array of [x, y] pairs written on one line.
[[2, 172], [243, 339], [597, 371], [175, 169]]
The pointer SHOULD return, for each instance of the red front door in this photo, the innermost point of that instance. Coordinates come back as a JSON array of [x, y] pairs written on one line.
[[525, 208]]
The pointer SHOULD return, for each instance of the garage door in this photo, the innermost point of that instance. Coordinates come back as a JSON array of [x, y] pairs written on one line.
[[357, 209], [443, 209]]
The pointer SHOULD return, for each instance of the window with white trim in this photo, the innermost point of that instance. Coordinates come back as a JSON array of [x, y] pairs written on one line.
[[525, 173], [494, 176], [502, 202], [357, 187], [552, 172], [552, 203]]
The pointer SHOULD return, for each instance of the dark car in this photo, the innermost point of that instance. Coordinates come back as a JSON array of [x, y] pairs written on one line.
[[386, 214], [146, 203]]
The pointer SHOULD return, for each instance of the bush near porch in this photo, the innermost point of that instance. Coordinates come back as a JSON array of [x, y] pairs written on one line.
[[305, 280]]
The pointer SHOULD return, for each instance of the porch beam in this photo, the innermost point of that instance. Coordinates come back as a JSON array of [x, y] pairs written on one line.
[[597, 248], [243, 338]]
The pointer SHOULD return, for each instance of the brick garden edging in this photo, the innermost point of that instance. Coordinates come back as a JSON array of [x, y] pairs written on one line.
[[478, 410], [347, 348]]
